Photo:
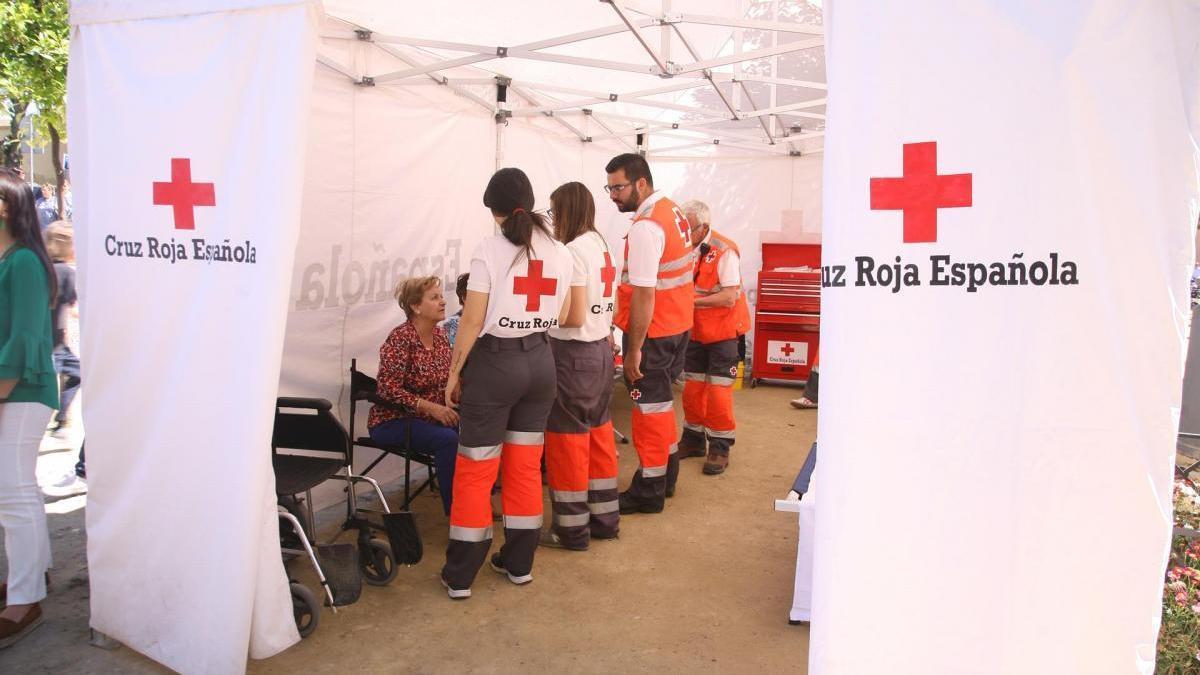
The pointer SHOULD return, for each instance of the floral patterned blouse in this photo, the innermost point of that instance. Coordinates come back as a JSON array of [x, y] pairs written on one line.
[[408, 371]]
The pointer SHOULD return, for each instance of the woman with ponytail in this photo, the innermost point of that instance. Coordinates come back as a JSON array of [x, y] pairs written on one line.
[[502, 381], [28, 394]]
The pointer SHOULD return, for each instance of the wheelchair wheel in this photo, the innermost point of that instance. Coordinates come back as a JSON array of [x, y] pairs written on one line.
[[377, 563], [305, 609]]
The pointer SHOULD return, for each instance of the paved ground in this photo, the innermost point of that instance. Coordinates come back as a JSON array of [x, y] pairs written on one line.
[[704, 587]]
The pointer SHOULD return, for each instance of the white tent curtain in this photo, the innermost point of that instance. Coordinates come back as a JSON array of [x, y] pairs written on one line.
[[186, 123], [996, 462]]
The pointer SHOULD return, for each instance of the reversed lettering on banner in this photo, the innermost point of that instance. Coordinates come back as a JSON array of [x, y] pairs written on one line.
[[787, 353], [353, 282]]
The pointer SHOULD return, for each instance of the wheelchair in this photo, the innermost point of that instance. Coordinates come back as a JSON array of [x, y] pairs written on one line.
[[310, 446]]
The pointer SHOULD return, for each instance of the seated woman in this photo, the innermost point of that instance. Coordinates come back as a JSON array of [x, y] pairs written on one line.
[[414, 364]]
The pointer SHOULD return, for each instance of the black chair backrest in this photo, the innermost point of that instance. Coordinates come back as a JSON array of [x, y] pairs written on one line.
[[308, 424], [363, 387]]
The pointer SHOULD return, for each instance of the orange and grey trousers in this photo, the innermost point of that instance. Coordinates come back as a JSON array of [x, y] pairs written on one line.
[[654, 428], [709, 373], [508, 387], [581, 456]]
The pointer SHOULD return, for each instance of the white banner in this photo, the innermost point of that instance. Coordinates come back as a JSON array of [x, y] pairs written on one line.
[[1010, 201], [186, 135]]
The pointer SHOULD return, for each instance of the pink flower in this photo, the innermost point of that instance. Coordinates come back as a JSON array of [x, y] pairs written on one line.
[[1196, 608], [1181, 598]]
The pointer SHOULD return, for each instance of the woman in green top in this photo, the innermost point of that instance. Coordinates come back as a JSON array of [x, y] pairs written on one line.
[[28, 394]]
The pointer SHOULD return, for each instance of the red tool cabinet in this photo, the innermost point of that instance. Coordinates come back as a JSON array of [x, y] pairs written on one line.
[[787, 316]]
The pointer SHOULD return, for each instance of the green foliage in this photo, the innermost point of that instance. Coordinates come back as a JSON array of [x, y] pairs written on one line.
[[33, 66], [1179, 636]]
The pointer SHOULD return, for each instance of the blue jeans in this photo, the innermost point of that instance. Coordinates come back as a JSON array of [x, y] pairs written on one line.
[[427, 438], [66, 364]]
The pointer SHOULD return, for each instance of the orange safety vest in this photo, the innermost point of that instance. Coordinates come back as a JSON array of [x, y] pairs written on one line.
[[717, 324], [673, 298]]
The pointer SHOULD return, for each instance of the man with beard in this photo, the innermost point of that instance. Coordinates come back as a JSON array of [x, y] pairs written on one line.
[[654, 313]]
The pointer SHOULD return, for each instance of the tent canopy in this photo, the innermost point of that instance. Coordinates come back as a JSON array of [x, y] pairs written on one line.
[[693, 78]]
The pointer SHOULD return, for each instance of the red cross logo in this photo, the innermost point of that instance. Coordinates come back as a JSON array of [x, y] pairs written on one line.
[[534, 286], [921, 192], [608, 274], [635, 394], [787, 349], [182, 195]]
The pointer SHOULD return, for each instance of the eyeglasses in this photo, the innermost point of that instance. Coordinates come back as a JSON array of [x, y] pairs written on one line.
[[610, 189]]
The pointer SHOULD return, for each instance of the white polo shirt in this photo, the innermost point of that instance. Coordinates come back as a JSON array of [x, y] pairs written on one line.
[[596, 269], [646, 244], [525, 297], [729, 272]]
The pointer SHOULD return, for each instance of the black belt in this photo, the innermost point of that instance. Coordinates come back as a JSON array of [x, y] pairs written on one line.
[[524, 343]]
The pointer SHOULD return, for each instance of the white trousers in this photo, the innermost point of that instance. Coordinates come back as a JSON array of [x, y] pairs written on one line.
[[22, 511]]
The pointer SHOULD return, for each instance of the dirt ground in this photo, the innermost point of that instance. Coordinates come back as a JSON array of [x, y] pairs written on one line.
[[703, 587]]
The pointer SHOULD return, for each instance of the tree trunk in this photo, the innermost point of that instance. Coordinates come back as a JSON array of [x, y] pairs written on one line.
[[12, 142], [59, 177]]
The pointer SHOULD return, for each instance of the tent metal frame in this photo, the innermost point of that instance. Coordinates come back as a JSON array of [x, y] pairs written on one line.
[[774, 135]]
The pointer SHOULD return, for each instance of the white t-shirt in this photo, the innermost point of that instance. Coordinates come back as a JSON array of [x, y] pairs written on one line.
[[525, 297], [593, 265], [646, 244], [729, 273]]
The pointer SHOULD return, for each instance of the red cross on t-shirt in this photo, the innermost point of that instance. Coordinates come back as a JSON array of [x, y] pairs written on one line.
[[787, 349], [608, 274], [182, 195], [534, 286], [921, 192]]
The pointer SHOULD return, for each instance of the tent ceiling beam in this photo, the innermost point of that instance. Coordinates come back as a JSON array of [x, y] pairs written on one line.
[[531, 98], [637, 33], [461, 91], [707, 73], [730, 22], [815, 103], [601, 123], [753, 55], [444, 64], [762, 119], [335, 66], [807, 84], [800, 113]]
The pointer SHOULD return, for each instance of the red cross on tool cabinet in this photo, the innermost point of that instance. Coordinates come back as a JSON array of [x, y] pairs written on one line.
[[534, 286], [787, 315]]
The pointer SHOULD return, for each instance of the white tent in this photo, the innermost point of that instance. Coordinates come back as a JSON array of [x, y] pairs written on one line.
[[393, 95], [312, 160], [398, 133]]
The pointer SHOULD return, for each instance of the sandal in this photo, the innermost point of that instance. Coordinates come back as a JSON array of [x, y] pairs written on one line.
[[12, 632], [803, 403]]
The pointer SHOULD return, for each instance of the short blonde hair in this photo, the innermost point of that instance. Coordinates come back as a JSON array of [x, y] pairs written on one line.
[[411, 292], [60, 241], [695, 207]]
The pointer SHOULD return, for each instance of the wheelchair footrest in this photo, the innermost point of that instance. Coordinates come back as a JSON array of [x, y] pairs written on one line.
[[339, 564], [403, 536]]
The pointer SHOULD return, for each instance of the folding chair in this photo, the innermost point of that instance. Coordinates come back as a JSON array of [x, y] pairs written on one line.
[[363, 387]]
